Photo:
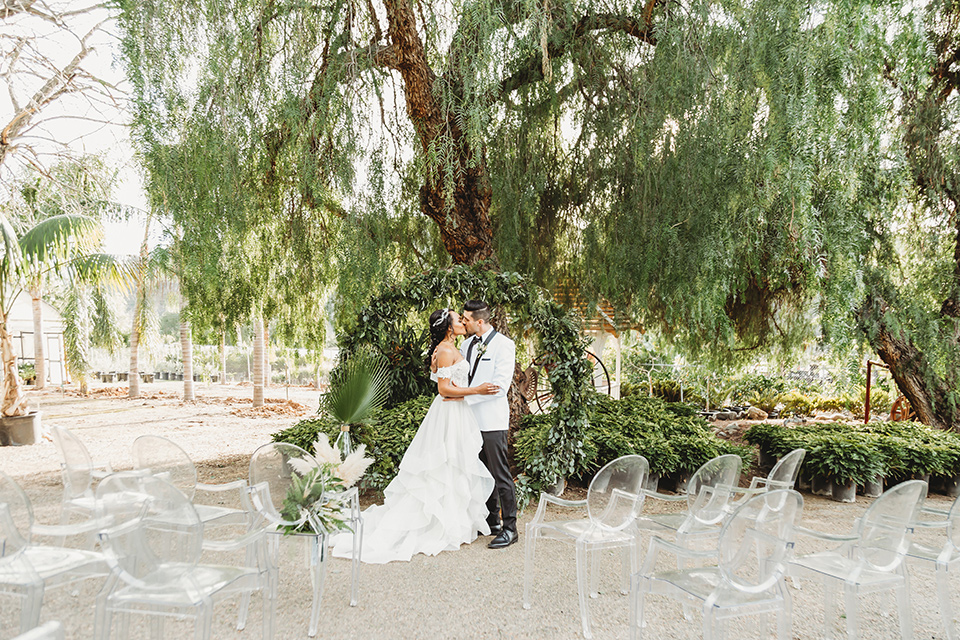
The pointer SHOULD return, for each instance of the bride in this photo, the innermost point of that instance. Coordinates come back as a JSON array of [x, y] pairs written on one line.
[[438, 499]]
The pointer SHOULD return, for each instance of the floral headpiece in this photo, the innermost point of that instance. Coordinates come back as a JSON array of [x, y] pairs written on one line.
[[443, 317]]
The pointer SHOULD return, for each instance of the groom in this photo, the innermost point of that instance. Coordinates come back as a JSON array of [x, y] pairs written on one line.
[[492, 357]]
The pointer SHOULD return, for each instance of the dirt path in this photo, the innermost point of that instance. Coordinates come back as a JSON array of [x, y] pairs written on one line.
[[471, 593]]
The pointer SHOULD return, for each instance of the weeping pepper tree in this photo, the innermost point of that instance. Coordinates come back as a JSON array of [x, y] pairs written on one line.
[[911, 309], [735, 173]]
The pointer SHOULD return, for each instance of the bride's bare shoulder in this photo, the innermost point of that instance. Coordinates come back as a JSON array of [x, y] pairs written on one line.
[[446, 355]]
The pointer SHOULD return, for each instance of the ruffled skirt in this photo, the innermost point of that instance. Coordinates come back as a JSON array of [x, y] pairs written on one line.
[[437, 501]]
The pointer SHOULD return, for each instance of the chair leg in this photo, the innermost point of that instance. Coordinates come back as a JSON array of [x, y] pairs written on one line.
[[204, 622], [711, 625], [903, 607], [102, 616], [530, 548], [355, 568], [853, 620], [626, 565], [269, 598], [244, 608], [636, 607], [156, 625], [594, 573], [946, 605], [317, 550], [785, 615], [829, 608], [32, 603], [582, 587]]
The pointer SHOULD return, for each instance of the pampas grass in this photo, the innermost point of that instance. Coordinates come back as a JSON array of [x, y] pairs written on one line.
[[349, 471]]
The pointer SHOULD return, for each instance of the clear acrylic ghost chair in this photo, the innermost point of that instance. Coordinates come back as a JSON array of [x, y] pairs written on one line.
[[707, 494], [748, 577], [153, 547], [944, 557], [78, 473], [26, 569], [869, 559], [614, 499], [166, 459], [271, 476], [782, 476], [52, 630]]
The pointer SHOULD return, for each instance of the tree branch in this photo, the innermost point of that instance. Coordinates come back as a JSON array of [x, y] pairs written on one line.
[[530, 70], [52, 89]]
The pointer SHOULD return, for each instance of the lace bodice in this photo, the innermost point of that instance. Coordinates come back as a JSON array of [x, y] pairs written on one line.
[[458, 373]]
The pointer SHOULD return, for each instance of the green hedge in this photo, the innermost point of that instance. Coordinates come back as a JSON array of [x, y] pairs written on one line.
[[671, 436], [862, 452]]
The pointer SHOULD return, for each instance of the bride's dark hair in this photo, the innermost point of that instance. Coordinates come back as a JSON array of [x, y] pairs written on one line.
[[440, 321]]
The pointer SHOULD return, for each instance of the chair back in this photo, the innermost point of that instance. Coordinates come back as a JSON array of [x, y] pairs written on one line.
[[273, 468], [16, 519], [784, 473], [615, 496], [757, 541], [885, 527], [953, 526], [77, 467], [153, 535], [165, 458], [710, 488]]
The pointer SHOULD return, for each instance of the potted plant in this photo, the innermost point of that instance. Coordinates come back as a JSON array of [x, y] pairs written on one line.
[[24, 260], [28, 373], [845, 460]]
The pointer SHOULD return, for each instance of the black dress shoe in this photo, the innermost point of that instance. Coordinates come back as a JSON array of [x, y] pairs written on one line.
[[495, 529], [504, 539]]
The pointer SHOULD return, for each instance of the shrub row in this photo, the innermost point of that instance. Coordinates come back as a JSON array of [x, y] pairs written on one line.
[[841, 452], [669, 435]]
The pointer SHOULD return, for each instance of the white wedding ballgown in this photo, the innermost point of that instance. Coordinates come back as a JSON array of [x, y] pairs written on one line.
[[437, 501]]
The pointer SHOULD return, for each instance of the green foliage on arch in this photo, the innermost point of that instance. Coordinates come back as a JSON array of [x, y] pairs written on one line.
[[394, 323]]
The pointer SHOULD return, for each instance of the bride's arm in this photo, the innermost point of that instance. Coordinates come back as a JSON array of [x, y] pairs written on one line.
[[449, 390]]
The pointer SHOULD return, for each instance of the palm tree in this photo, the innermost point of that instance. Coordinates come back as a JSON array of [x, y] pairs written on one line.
[[151, 272], [258, 360], [48, 247], [88, 317]]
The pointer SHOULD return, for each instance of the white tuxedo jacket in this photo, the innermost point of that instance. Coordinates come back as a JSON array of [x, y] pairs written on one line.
[[496, 366]]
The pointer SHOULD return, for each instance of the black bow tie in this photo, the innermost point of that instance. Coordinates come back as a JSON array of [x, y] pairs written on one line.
[[476, 339]]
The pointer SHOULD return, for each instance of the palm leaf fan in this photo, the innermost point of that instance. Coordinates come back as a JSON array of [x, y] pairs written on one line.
[[360, 388]]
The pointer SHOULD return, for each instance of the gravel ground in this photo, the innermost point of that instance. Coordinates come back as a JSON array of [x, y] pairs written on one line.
[[471, 593]]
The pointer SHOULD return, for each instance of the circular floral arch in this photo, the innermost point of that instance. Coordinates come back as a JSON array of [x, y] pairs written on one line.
[[394, 323]]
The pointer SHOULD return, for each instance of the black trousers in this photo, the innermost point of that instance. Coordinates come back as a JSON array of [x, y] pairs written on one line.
[[503, 500]]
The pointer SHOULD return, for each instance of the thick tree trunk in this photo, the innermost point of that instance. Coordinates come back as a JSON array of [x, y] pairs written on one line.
[[186, 346], [258, 359], [909, 367], [39, 350], [134, 376], [462, 216], [14, 402]]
